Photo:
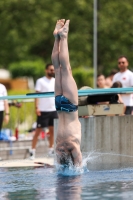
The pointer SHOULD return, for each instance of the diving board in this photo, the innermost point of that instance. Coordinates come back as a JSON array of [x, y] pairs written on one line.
[[27, 162], [90, 92]]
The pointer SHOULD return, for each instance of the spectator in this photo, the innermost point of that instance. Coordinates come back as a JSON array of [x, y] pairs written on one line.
[[101, 82], [118, 84], [109, 79], [45, 109], [125, 76], [4, 107]]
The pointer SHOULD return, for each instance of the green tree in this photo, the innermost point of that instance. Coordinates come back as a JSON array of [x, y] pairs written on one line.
[[27, 28], [115, 35], [33, 69]]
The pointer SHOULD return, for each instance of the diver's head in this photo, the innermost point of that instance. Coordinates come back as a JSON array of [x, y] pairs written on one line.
[[64, 154], [66, 160]]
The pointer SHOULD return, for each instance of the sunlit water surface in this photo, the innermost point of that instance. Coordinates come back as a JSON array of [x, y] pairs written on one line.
[[47, 183]]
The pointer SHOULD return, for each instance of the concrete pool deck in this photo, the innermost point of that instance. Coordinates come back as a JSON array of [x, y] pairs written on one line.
[[27, 162]]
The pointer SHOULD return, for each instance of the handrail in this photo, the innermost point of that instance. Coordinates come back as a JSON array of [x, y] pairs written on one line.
[[87, 92]]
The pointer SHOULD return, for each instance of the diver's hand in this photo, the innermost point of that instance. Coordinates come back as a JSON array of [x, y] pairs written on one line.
[[77, 156]]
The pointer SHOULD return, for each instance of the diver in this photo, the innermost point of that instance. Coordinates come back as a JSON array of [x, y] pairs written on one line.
[[66, 100]]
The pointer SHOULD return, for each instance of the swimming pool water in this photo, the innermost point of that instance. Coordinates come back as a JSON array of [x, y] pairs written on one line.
[[45, 183]]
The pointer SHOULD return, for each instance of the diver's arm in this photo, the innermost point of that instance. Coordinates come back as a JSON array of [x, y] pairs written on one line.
[[77, 156]]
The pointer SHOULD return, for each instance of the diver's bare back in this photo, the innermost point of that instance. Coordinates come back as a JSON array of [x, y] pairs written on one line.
[[69, 130]]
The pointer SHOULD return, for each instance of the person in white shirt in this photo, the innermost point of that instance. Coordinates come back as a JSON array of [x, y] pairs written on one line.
[[125, 76], [4, 106], [45, 108]]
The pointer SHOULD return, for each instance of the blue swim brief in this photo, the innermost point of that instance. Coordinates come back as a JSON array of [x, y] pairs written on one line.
[[63, 104]]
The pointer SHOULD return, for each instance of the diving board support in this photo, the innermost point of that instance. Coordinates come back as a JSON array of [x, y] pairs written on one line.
[[101, 109]]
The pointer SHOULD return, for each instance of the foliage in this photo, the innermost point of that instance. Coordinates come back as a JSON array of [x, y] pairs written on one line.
[[115, 35], [16, 92], [27, 26], [83, 77], [27, 68]]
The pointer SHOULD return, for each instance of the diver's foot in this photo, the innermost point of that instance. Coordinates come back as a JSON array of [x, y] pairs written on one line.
[[63, 32], [59, 25]]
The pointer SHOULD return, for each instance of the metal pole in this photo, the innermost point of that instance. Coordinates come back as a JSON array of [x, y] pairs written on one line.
[[95, 42]]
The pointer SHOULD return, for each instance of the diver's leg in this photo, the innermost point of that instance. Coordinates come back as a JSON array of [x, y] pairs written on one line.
[[55, 57], [68, 83], [55, 61]]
